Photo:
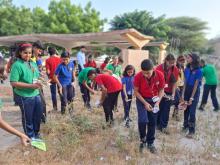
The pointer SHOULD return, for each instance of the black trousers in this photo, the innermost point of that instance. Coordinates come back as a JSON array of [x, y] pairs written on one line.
[[108, 105], [210, 89], [85, 94]]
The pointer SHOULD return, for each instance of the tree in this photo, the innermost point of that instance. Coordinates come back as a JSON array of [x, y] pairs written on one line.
[[187, 33], [40, 20], [142, 21], [65, 17], [15, 20]]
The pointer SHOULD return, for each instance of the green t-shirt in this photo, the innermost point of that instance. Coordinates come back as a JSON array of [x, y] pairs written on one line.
[[83, 75], [115, 69], [210, 74], [25, 72]]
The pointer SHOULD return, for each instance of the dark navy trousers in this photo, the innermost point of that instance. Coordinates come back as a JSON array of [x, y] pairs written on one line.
[[163, 114], [147, 120], [31, 109], [190, 112], [210, 89]]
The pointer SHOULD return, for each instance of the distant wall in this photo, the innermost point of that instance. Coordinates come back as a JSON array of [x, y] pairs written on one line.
[[134, 57]]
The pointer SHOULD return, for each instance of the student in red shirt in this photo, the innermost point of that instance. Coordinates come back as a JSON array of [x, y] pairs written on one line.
[[104, 64], [170, 72], [110, 87], [51, 64], [91, 62], [148, 89]]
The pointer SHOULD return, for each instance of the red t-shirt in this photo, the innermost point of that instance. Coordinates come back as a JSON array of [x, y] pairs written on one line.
[[168, 86], [103, 66], [90, 64], [109, 82], [51, 65], [149, 88]]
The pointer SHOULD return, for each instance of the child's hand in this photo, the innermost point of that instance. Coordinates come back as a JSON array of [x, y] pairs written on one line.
[[60, 90], [148, 107], [37, 85], [25, 140]]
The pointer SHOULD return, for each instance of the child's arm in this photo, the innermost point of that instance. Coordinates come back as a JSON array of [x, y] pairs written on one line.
[[124, 90], [90, 89], [58, 83], [104, 93], [193, 92], [10, 129], [138, 95]]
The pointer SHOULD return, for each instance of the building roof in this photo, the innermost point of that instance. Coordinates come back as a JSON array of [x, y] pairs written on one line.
[[127, 37]]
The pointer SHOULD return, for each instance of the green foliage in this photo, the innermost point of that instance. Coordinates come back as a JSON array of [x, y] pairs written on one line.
[[68, 18], [62, 17], [142, 21], [187, 33]]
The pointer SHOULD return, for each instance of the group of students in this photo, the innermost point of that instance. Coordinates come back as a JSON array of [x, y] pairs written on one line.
[[156, 89]]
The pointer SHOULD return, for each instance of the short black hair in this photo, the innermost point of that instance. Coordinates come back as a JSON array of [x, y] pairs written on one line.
[[65, 54], [202, 61], [51, 51], [107, 59], [38, 44], [147, 65], [82, 47], [91, 72]]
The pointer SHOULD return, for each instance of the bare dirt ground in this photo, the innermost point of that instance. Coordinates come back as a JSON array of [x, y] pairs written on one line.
[[85, 139]]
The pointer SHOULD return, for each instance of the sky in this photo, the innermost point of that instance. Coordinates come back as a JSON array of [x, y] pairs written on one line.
[[206, 10]]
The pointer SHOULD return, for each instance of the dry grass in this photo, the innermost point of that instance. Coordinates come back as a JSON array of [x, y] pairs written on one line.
[[86, 140]]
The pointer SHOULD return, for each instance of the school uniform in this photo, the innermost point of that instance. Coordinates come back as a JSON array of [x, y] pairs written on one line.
[[211, 81], [191, 75], [51, 65], [113, 87], [165, 104], [180, 84], [128, 82], [148, 88], [65, 77], [28, 99], [83, 76]]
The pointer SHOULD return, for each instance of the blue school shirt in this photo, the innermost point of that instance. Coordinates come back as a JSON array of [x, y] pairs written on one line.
[[39, 62], [65, 73], [192, 75], [128, 81]]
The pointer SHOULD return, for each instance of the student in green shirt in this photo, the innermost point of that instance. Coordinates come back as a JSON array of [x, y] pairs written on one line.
[[211, 81], [115, 67], [85, 86], [24, 79]]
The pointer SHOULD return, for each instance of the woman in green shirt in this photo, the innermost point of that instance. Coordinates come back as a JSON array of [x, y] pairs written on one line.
[[24, 79]]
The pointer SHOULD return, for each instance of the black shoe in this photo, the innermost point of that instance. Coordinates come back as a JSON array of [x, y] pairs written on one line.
[[201, 108], [152, 148], [185, 129], [190, 135], [129, 119], [216, 109], [165, 131], [88, 106], [141, 147], [63, 109], [127, 124]]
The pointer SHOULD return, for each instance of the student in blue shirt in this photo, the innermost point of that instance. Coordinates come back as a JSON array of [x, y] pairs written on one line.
[[81, 58], [191, 92], [65, 76], [128, 91]]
